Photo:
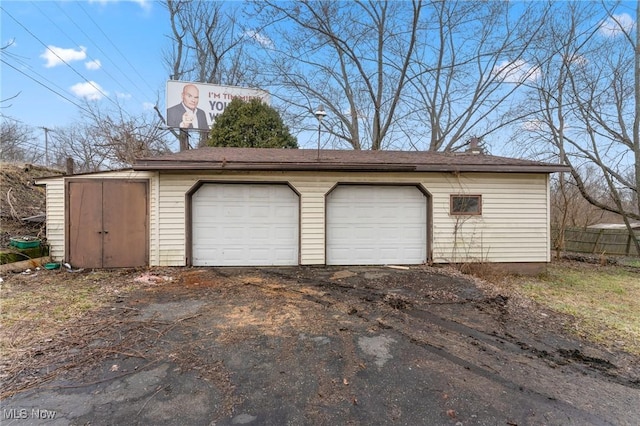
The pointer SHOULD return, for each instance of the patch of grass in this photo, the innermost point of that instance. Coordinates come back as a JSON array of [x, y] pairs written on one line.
[[604, 300], [34, 307], [50, 303], [635, 263]]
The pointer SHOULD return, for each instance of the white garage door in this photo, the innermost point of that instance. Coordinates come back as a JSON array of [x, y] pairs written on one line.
[[376, 225], [244, 225]]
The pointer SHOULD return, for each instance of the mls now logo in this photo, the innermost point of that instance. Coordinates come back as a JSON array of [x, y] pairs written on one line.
[[43, 414], [15, 413], [23, 413]]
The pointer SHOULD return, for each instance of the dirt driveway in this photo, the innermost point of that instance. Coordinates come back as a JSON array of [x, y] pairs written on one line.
[[298, 346]]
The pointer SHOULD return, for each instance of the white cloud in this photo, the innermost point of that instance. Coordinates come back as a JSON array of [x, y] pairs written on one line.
[[90, 91], [121, 95], [148, 106], [93, 65], [144, 4], [261, 39], [616, 25], [516, 72], [58, 55]]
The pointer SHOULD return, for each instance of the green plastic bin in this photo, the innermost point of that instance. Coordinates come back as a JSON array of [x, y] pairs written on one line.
[[25, 242]]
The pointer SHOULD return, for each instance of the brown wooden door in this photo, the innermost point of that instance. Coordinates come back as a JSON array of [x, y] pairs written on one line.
[[108, 223], [84, 224]]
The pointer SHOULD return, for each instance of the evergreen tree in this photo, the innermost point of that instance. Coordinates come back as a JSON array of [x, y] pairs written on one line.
[[251, 124]]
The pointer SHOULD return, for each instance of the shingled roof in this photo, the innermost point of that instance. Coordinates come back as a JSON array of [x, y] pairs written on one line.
[[211, 158]]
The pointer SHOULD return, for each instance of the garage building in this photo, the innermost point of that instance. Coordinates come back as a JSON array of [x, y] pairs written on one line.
[[259, 207]]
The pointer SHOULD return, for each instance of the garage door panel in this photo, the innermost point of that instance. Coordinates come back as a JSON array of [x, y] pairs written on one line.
[[260, 255], [412, 213], [232, 211], [259, 212], [284, 213], [245, 224], [389, 233], [412, 253], [368, 224]]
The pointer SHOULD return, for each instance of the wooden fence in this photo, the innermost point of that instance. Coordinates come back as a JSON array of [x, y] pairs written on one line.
[[598, 241]]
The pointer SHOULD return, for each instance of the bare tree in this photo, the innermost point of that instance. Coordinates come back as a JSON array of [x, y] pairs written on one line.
[[589, 102], [352, 57], [3, 49], [570, 209], [207, 43], [475, 57], [18, 143], [108, 139], [421, 75], [79, 143], [122, 138], [207, 46]]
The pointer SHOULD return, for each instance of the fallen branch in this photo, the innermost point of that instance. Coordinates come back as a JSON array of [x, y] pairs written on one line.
[[149, 399], [114, 351], [24, 264], [14, 213]]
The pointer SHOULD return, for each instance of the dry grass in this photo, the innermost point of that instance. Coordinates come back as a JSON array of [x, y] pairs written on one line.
[[33, 307], [46, 316], [605, 300]]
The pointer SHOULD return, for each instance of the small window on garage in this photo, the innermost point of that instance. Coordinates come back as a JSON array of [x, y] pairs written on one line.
[[466, 204]]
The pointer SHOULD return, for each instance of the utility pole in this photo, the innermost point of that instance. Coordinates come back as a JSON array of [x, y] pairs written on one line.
[[46, 145], [184, 140]]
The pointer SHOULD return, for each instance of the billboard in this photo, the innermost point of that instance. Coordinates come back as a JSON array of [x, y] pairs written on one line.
[[196, 105]]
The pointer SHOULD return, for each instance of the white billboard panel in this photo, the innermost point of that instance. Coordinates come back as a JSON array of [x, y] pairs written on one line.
[[196, 105]]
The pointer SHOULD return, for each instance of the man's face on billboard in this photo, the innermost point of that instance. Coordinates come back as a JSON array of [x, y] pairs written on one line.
[[190, 96]]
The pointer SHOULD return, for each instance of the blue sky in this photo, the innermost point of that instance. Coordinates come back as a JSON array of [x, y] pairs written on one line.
[[109, 51], [60, 53]]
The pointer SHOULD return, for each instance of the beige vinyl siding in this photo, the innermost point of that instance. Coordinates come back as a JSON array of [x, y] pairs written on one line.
[[55, 218], [513, 226], [172, 220], [312, 219]]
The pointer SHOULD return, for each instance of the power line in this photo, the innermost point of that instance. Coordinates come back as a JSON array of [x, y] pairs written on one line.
[[116, 48], [45, 86], [32, 146], [58, 56], [118, 81], [7, 117], [26, 65]]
